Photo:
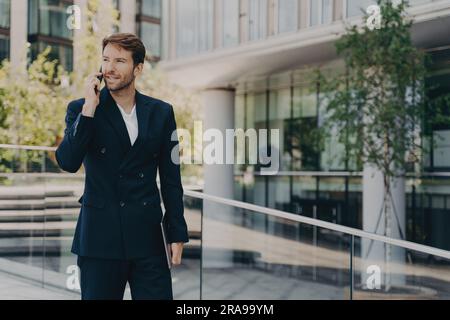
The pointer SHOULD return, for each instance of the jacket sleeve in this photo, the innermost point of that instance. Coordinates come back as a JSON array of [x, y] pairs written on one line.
[[170, 179], [77, 134]]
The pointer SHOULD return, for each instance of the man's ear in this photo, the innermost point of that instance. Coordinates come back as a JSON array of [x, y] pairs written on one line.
[[138, 69]]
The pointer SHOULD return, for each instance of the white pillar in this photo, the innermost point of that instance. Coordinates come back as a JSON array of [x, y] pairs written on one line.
[[218, 105], [19, 33], [374, 253], [127, 16]]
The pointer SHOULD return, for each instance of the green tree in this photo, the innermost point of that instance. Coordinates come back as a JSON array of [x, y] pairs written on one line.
[[30, 112], [379, 105]]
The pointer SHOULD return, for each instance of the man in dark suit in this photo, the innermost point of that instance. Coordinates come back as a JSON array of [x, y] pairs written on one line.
[[122, 137]]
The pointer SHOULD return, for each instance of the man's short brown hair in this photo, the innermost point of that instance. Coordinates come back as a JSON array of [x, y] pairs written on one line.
[[129, 42]]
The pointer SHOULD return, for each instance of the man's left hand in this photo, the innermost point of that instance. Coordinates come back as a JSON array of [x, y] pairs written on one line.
[[177, 250]]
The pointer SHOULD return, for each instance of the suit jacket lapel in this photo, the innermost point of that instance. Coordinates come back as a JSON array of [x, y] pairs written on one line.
[[143, 113], [109, 107]]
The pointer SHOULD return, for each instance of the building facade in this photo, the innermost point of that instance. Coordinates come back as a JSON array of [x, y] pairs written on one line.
[[251, 59], [45, 26]]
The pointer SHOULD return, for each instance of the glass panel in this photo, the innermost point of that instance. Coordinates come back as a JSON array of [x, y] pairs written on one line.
[[327, 11], [428, 211], [279, 193], [280, 119], [255, 119], [33, 17], [53, 18], [303, 124], [441, 149], [186, 277], [287, 15], [314, 12], [62, 209], [4, 47], [5, 13], [194, 26], [151, 36], [383, 271], [257, 19], [151, 8], [230, 22], [287, 259]]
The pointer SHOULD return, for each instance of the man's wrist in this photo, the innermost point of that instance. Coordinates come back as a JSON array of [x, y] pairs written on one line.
[[88, 111]]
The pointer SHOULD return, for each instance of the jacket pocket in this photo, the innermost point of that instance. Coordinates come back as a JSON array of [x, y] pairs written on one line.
[[151, 201], [93, 200]]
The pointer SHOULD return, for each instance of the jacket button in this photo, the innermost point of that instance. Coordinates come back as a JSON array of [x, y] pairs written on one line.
[[145, 203], [120, 176], [122, 203], [103, 150], [141, 175]]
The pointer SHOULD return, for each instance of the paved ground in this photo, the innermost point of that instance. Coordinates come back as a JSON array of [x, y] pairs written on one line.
[[218, 284]]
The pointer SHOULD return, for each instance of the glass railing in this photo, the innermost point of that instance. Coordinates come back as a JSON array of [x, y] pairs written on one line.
[[236, 250], [252, 252]]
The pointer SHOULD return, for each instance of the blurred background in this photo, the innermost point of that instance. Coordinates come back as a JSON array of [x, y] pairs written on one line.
[[231, 64]]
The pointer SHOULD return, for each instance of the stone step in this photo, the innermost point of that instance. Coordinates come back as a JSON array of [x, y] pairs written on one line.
[[33, 204], [37, 192], [36, 229], [56, 214]]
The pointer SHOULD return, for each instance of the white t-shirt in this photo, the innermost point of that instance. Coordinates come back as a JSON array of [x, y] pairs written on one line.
[[131, 122]]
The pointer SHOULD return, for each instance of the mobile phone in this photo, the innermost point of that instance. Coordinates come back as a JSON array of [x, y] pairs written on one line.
[[99, 78]]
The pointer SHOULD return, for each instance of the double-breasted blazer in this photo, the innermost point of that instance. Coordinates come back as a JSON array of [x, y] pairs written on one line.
[[121, 206]]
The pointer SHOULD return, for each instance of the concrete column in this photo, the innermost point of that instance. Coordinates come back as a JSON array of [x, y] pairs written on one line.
[[373, 254], [218, 105], [272, 18], [218, 24], [165, 29], [19, 33], [128, 16], [172, 45]]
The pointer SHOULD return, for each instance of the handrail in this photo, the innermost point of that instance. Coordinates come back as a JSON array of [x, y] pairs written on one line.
[[280, 173], [323, 224], [25, 147], [293, 217]]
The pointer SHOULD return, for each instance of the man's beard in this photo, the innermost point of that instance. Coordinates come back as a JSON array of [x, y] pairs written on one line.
[[121, 85]]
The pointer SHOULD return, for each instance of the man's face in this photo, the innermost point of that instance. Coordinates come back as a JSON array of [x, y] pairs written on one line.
[[118, 67]]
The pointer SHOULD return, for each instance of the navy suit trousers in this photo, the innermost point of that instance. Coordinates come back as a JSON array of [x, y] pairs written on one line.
[[105, 279]]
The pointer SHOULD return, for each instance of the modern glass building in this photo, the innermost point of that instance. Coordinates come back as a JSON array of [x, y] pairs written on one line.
[[46, 26], [251, 59], [148, 26], [5, 23]]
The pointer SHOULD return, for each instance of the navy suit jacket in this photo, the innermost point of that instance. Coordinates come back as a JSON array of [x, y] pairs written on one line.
[[121, 207]]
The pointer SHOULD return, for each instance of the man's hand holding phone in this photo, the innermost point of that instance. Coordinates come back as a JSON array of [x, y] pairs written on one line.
[[92, 94]]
